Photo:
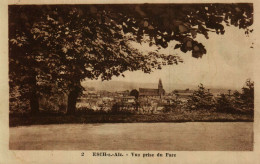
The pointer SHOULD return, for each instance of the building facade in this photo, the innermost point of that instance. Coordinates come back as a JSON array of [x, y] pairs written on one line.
[[150, 92]]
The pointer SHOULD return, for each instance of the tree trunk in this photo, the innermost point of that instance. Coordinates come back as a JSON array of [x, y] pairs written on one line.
[[34, 103], [34, 100], [72, 100]]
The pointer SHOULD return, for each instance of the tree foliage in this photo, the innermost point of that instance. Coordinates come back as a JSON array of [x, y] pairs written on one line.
[[182, 23], [134, 93], [201, 99], [238, 102], [61, 45]]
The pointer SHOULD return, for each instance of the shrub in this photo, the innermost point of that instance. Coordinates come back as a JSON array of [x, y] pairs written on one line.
[[17, 102], [225, 103], [175, 105], [115, 108], [84, 110], [167, 108]]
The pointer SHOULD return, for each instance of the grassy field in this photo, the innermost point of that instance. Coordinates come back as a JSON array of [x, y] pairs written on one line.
[[177, 116], [188, 136]]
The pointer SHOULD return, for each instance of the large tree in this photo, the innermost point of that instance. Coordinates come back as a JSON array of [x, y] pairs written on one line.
[[63, 44]]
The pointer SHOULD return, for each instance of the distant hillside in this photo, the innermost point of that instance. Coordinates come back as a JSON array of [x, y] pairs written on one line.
[[117, 85], [121, 86]]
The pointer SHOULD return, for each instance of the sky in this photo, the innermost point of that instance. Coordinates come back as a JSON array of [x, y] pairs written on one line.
[[228, 63]]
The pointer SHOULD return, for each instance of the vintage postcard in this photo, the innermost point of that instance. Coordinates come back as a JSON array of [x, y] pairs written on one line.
[[134, 82]]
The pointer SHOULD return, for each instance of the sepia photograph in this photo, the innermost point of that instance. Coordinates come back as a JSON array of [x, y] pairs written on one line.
[[131, 77]]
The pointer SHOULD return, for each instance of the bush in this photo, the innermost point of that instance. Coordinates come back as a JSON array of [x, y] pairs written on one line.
[[84, 110], [17, 102], [175, 105], [116, 109], [167, 108], [225, 103]]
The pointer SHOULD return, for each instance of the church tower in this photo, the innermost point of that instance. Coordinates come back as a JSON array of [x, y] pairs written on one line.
[[160, 88]]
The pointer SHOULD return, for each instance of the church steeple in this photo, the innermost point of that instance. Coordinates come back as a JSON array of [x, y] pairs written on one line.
[[160, 86]]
